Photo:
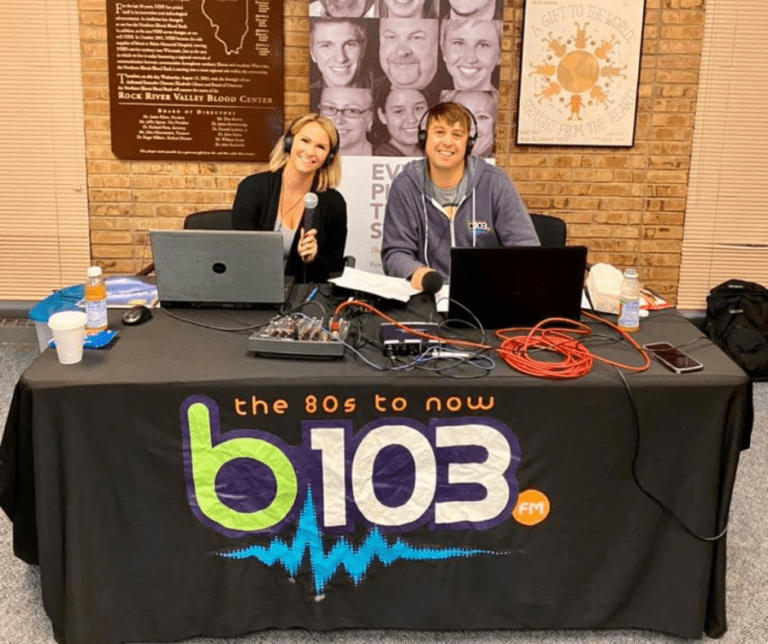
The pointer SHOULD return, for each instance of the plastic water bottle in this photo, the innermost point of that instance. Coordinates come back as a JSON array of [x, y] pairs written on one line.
[[629, 302], [95, 301]]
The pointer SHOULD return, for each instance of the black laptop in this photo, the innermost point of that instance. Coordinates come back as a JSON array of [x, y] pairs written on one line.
[[517, 285]]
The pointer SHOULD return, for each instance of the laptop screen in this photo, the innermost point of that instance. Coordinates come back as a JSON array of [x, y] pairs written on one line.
[[218, 267], [518, 285]]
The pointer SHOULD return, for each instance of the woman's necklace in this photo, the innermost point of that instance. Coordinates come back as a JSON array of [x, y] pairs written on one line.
[[285, 215]]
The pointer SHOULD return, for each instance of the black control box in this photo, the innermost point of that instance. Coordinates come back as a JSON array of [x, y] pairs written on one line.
[[397, 341]]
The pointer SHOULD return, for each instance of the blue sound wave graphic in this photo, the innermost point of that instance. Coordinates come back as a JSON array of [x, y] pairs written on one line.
[[343, 554]]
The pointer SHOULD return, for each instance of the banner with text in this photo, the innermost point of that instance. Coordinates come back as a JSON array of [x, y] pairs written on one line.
[[377, 67]]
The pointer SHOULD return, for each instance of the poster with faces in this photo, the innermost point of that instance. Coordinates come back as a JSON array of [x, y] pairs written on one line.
[[379, 65]]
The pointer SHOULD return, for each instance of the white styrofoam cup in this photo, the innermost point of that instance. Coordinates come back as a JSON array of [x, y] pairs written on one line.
[[68, 329]]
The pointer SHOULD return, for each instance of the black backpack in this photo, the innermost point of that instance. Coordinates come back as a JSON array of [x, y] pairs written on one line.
[[737, 322]]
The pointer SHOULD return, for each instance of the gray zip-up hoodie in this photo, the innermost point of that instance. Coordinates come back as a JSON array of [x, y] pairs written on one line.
[[418, 232]]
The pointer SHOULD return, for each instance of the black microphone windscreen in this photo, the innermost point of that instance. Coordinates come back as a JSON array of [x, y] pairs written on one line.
[[432, 282]]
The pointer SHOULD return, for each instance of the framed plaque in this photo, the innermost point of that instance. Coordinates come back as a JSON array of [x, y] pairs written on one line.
[[196, 81]]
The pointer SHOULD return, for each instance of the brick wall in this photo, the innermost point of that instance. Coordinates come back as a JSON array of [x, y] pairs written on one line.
[[626, 204]]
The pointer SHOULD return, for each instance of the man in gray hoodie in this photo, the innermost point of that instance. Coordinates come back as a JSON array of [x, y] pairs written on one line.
[[449, 199]]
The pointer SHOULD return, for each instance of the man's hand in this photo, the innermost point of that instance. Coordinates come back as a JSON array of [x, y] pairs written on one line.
[[417, 279]]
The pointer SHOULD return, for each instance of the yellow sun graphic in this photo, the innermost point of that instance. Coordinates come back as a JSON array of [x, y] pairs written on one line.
[[577, 70]]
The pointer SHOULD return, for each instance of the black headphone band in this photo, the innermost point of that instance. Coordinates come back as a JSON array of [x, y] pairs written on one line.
[[288, 142], [428, 114]]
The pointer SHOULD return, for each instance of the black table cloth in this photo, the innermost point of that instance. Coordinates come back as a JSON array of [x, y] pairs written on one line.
[[176, 485]]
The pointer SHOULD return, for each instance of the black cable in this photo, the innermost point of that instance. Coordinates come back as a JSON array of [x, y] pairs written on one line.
[[281, 312], [694, 341], [621, 340], [667, 510], [210, 326], [301, 305], [673, 313], [399, 365], [445, 370], [356, 332], [456, 362], [478, 326]]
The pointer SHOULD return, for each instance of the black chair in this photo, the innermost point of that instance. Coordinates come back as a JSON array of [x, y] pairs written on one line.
[[209, 220], [552, 231], [203, 220]]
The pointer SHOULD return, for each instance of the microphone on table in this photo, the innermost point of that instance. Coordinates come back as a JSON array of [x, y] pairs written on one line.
[[310, 203], [432, 282]]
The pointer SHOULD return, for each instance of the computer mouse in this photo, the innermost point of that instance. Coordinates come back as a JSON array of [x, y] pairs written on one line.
[[136, 315]]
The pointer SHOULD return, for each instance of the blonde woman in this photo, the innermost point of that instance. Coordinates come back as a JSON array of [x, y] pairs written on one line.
[[305, 159], [471, 52]]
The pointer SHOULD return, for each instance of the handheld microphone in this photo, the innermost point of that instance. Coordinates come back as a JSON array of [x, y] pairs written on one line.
[[432, 282], [310, 203]]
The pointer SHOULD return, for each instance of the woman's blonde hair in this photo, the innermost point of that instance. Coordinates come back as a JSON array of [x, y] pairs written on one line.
[[328, 176]]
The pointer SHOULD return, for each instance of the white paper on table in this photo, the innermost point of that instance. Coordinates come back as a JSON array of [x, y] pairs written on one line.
[[441, 298], [393, 288]]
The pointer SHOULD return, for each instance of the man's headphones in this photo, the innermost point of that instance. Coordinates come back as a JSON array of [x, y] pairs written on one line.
[[428, 114], [288, 142]]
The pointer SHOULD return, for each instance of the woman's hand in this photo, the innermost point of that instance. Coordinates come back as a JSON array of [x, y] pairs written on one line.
[[308, 245]]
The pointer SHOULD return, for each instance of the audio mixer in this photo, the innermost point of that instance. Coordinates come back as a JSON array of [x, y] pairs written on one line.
[[300, 336]]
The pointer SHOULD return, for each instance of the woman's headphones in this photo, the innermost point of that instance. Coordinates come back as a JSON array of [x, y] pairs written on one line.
[[288, 142], [428, 114]]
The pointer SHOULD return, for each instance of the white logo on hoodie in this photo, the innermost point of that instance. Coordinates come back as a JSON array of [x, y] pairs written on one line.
[[479, 227]]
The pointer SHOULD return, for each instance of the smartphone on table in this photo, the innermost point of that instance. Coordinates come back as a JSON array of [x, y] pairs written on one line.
[[672, 357]]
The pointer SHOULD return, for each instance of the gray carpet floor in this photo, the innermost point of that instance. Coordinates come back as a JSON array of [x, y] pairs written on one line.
[[23, 620]]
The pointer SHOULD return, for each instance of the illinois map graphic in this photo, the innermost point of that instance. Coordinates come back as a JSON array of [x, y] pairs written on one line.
[[229, 19]]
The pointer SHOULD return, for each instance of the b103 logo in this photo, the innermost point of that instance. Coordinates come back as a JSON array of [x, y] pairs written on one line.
[[396, 473]]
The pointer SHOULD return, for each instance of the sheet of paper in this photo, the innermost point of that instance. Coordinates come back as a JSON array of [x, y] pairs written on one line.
[[441, 298], [393, 288]]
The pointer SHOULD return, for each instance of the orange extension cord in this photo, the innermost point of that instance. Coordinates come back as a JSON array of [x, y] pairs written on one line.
[[577, 358], [516, 343]]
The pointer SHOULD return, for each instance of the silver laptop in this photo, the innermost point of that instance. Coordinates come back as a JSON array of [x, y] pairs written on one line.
[[237, 268]]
